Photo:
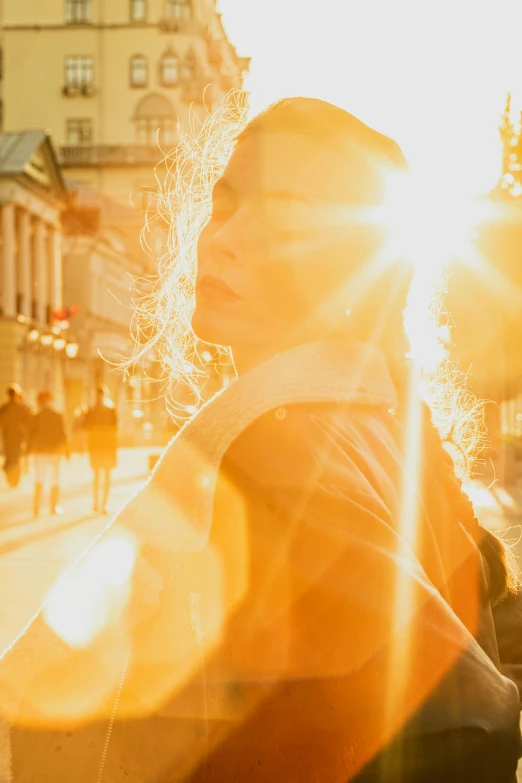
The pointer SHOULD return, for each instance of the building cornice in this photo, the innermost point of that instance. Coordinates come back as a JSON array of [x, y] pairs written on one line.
[[192, 27], [21, 193], [83, 27]]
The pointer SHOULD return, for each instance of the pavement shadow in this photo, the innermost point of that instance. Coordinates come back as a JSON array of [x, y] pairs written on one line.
[[17, 543], [68, 495]]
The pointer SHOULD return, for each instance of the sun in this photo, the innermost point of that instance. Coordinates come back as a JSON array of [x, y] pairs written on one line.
[[429, 222]]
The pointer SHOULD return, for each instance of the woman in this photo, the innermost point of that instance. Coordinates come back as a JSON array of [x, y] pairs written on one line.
[[304, 607]]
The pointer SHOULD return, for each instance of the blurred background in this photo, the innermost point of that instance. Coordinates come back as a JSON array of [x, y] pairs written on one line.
[[93, 94]]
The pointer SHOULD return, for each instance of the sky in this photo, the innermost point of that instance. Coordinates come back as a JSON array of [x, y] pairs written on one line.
[[434, 75]]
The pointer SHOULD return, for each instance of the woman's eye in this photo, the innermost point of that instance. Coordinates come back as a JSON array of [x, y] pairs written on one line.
[[222, 206], [287, 217]]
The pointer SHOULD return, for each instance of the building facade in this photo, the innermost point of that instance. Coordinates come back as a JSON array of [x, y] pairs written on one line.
[[102, 256], [32, 198], [112, 78]]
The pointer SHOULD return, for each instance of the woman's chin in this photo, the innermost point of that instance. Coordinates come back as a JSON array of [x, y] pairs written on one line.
[[211, 328]]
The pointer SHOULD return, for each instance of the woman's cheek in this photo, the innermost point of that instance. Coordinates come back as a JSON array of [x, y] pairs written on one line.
[[203, 246]]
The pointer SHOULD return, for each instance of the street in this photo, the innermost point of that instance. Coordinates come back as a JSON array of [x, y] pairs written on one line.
[[33, 553]]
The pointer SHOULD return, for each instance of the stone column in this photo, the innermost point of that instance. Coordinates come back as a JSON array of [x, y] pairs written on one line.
[[41, 271], [54, 298], [54, 255], [8, 262], [25, 281]]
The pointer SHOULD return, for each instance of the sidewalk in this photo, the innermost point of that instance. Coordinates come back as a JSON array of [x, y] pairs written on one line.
[[34, 553], [76, 475]]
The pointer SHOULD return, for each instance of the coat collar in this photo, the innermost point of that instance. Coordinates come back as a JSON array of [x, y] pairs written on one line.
[[174, 509]]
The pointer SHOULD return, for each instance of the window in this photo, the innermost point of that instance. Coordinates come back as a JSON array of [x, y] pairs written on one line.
[[178, 9], [78, 11], [168, 133], [150, 131], [138, 10], [79, 71], [78, 131], [139, 71], [142, 131], [170, 70], [189, 68]]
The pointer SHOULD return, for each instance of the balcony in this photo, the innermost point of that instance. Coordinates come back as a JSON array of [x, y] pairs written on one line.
[[76, 90], [174, 25], [86, 155]]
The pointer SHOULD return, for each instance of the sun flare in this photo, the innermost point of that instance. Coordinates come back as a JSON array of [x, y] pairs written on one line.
[[429, 224]]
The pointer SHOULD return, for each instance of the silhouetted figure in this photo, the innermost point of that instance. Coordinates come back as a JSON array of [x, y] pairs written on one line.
[[101, 425], [14, 425], [48, 444]]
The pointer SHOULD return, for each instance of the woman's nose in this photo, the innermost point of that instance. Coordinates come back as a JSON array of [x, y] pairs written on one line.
[[222, 247], [233, 238]]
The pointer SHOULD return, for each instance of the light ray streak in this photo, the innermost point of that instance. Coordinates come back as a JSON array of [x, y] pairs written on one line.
[[397, 697], [112, 719], [497, 284]]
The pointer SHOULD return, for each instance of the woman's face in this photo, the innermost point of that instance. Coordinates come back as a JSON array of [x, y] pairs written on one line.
[[275, 258]]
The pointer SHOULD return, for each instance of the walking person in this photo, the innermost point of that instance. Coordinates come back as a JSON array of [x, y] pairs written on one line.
[[48, 445], [101, 425], [15, 418], [296, 604]]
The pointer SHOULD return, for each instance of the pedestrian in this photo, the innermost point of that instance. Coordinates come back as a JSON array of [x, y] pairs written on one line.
[[304, 606], [48, 445], [101, 425], [14, 426]]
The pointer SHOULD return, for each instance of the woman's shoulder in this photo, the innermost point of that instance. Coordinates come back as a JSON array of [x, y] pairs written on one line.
[[300, 444]]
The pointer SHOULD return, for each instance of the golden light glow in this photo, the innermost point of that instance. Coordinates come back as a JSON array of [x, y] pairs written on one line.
[[429, 225], [94, 593], [416, 74]]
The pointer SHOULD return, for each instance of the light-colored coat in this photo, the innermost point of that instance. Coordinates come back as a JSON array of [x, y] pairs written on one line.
[[292, 615]]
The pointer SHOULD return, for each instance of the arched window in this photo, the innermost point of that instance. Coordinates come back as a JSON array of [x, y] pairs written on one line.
[[178, 9], [170, 69], [151, 131], [189, 69], [155, 120], [139, 71], [146, 128], [168, 132]]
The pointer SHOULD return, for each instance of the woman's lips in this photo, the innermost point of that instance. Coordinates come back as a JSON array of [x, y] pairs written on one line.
[[215, 289]]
